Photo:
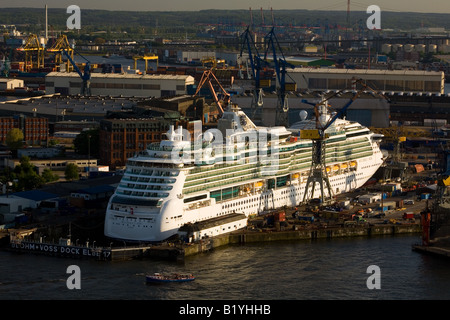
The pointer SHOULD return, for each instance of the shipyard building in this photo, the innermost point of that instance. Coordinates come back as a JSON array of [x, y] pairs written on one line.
[[323, 79], [110, 84]]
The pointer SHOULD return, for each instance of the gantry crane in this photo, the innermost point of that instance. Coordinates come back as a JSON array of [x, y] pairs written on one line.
[[146, 58], [32, 47], [60, 46], [318, 173], [280, 67], [255, 63]]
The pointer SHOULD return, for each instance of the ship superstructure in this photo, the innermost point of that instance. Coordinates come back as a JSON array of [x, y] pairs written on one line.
[[236, 168]]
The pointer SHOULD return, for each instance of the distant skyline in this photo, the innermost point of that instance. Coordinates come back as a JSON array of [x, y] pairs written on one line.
[[430, 6]]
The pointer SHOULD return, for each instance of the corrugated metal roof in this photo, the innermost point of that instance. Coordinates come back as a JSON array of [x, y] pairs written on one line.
[[35, 195], [124, 76], [366, 71], [97, 189]]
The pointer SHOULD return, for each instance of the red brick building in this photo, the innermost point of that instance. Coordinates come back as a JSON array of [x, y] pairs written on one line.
[[120, 139], [35, 130]]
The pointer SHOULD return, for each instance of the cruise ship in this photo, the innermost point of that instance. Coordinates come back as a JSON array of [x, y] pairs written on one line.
[[234, 168]]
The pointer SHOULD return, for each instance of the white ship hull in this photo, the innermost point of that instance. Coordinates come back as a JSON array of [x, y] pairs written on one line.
[[155, 197], [175, 214]]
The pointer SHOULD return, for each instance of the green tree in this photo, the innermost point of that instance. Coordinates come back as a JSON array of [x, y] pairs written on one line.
[[71, 172], [49, 176], [14, 139], [26, 176]]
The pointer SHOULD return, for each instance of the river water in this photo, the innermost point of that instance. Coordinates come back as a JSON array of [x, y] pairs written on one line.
[[303, 270]]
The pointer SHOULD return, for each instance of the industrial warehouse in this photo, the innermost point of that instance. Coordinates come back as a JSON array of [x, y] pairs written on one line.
[[127, 84]]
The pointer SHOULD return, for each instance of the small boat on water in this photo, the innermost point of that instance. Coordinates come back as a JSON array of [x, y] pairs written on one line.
[[174, 277]]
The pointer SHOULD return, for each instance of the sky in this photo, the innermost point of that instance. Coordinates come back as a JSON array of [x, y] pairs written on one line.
[[437, 6]]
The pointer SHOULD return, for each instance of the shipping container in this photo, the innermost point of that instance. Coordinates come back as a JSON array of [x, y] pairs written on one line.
[[280, 216], [408, 215], [290, 87]]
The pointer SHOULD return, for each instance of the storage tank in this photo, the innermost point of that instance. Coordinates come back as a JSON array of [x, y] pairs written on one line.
[[386, 48], [408, 47], [397, 47], [432, 48], [420, 48], [444, 48]]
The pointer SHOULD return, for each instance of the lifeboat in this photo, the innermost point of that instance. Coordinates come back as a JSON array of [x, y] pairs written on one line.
[[344, 166], [353, 164], [328, 169], [258, 184], [295, 175], [335, 167]]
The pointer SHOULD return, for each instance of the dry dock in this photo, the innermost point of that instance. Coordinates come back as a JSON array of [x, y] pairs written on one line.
[[246, 236]]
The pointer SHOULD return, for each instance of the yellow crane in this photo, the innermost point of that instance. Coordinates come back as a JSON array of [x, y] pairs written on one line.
[[32, 48], [145, 57], [213, 63], [62, 44]]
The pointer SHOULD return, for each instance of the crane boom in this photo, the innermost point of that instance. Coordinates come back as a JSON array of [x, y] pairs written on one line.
[[256, 65], [280, 67], [206, 78]]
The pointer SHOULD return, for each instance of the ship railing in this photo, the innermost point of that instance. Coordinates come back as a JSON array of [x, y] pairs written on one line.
[[221, 177], [216, 172], [205, 186]]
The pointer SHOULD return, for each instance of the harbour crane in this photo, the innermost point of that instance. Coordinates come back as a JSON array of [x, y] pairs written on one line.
[[207, 77], [62, 43], [318, 173], [280, 67], [146, 58], [32, 47], [6, 64], [255, 64], [85, 75]]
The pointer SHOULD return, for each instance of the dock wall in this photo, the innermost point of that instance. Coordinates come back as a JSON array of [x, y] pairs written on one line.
[[306, 234], [178, 252]]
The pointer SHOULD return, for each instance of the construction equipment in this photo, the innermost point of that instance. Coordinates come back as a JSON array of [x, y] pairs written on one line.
[[206, 78], [255, 63], [62, 44], [318, 173], [33, 48], [280, 67]]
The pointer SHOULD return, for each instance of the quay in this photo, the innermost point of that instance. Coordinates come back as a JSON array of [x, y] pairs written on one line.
[[178, 251], [311, 234], [437, 251]]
